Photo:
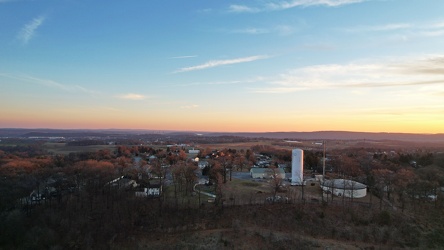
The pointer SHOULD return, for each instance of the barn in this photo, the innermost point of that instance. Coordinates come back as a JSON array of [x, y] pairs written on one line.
[[343, 187]]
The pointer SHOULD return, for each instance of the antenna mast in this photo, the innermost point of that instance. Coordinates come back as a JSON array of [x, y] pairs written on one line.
[[323, 162]]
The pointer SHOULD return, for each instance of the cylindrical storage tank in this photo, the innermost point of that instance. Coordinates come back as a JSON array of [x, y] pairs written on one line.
[[346, 188], [297, 167]]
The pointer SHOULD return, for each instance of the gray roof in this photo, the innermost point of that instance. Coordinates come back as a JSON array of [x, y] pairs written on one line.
[[343, 184], [267, 170]]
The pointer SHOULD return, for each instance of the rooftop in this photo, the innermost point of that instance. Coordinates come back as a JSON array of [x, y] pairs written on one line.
[[343, 184]]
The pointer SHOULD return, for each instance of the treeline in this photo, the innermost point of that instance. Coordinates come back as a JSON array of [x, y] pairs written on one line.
[[421, 159], [86, 143], [23, 150]]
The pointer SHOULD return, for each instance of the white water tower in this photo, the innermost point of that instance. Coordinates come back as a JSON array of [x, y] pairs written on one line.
[[297, 167]]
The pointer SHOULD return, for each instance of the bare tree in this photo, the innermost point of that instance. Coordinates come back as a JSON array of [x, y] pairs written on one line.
[[384, 181], [216, 177], [275, 181], [189, 175], [404, 178]]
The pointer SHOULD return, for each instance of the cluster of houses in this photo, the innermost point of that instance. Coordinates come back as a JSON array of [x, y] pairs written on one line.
[[51, 188], [154, 188]]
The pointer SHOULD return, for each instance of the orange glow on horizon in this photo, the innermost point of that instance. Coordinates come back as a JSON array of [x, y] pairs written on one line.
[[422, 128], [188, 121]]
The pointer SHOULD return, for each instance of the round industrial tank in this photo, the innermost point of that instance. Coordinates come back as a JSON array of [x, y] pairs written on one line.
[[297, 167], [343, 187]]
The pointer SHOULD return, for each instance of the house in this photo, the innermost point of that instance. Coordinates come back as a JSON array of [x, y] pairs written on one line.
[[122, 183], [319, 177], [152, 158], [193, 151], [202, 164], [137, 160], [154, 190], [267, 173]]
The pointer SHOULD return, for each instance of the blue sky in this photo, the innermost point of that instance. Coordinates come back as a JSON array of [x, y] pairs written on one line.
[[296, 65]]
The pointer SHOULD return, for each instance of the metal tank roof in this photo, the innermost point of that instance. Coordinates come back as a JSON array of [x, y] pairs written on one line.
[[343, 184]]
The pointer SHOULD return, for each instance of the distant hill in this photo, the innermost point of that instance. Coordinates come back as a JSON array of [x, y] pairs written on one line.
[[20, 132], [49, 133], [341, 135], [316, 135]]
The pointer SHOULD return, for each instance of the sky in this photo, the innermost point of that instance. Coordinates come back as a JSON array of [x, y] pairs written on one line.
[[231, 66]]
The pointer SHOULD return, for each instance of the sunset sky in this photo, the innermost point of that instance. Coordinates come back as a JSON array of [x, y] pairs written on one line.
[[212, 65]]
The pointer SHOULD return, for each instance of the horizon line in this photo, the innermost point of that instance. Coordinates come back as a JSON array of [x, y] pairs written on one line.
[[228, 132]]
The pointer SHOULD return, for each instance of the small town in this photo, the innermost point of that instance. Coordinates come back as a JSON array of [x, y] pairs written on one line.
[[174, 185]]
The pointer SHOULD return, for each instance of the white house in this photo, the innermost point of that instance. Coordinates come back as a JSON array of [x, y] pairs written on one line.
[[152, 191], [193, 151]]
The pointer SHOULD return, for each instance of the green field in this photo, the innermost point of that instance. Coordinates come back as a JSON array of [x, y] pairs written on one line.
[[63, 149]]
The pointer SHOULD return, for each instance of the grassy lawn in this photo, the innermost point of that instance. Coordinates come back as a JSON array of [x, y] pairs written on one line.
[[63, 149], [247, 186]]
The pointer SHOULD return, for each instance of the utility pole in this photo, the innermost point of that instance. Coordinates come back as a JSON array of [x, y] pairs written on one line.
[[323, 174], [323, 162]]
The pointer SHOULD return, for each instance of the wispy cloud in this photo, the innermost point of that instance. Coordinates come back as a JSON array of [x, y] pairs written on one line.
[[385, 27], [193, 106], [183, 57], [28, 31], [404, 30], [217, 63], [242, 9], [306, 3], [132, 96], [403, 110], [285, 30], [283, 5], [247, 81], [278, 90], [49, 83], [432, 29], [82, 108], [319, 47], [205, 11], [251, 31], [282, 30], [402, 72]]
